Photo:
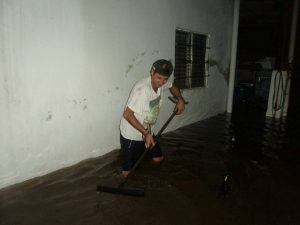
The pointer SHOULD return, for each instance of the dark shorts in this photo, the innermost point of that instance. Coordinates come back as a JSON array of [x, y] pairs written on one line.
[[132, 150]]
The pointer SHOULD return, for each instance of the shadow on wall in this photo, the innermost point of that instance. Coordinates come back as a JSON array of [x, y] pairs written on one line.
[[223, 71]]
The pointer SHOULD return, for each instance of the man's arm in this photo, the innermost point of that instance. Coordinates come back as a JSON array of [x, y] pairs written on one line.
[[130, 117], [180, 106]]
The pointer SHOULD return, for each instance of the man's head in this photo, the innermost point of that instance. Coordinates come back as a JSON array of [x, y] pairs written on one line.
[[160, 72], [162, 67]]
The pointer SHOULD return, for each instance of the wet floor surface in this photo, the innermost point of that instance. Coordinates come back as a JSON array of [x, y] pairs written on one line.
[[260, 158]]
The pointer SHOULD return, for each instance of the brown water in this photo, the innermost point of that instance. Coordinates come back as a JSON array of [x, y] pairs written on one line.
[[260, 156]]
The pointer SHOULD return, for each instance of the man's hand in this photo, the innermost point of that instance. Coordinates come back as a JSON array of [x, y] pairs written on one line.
[[180, 106], [130, 117], [149, 140]]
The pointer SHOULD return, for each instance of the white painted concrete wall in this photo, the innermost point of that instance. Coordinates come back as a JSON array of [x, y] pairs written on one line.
[[67, 66]]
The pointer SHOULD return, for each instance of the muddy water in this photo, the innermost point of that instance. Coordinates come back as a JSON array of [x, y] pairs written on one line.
[[260, 157]]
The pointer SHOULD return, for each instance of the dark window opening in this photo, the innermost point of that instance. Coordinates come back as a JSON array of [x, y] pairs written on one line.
[[191, 59]]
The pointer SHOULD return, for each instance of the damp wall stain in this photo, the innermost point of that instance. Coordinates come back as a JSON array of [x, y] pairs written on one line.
[[49, 117], [79, 101], [78, 104], [129, 67], [135, 61], [223, 71]]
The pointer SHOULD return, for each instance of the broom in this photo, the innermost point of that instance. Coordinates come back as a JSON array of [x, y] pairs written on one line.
[[133, 191]]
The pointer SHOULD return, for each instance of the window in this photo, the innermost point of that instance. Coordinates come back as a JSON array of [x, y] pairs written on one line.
[[191, 59]]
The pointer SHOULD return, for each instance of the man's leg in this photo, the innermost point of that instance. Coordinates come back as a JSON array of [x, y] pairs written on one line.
[[131, 151], [156, 153]]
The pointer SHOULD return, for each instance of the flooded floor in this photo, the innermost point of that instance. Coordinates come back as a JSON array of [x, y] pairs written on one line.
[[260, 158]]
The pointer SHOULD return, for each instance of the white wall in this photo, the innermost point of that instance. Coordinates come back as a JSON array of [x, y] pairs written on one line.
[[67, 66]]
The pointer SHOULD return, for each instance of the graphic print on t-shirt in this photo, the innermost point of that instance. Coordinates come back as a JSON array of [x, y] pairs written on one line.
[[154, 107]]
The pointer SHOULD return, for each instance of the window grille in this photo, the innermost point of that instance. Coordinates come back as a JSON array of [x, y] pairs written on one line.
[[191, 59]]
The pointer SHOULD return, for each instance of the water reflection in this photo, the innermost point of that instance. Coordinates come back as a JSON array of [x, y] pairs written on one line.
[[258, 158]]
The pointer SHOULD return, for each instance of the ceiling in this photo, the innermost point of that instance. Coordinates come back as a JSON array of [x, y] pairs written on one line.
[[260, 12], [263, 29]]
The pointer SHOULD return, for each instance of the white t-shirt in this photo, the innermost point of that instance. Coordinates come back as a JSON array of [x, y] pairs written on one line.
[[145, 103]]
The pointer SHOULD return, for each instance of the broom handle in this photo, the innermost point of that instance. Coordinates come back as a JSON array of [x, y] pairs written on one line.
[[158, 134], [166, 124], [138, 161], [174, 100]]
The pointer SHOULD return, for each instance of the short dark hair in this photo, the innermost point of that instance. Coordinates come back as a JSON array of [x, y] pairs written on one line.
[[163, 67]]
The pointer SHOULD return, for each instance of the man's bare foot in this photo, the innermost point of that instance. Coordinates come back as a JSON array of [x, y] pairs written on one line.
[[158, 159], [125, 173]]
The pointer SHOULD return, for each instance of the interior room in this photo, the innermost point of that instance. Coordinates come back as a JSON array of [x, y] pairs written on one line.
[[71, 74]]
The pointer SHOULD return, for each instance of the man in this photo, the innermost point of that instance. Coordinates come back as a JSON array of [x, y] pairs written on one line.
[[141, 112]]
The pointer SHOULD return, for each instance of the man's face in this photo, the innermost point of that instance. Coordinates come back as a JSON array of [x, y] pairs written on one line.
[[157, 80]]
